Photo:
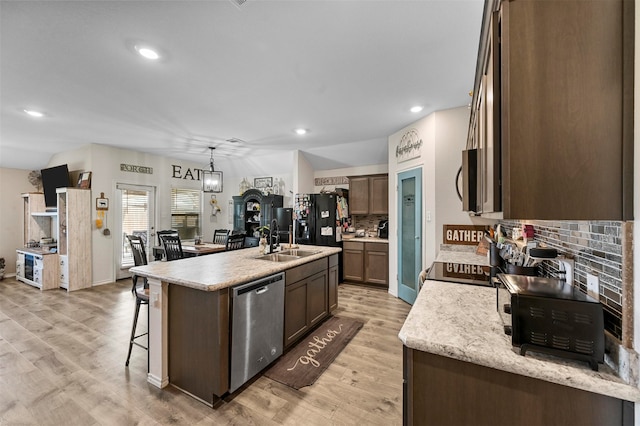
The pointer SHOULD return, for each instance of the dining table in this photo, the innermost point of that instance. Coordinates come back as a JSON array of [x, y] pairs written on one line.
[[190, 249]]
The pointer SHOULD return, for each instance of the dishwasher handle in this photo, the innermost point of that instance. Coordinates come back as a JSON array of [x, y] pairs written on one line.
[[261, 285]]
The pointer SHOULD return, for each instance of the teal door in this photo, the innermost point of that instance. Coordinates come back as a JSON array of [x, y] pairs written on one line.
[[409, 233]]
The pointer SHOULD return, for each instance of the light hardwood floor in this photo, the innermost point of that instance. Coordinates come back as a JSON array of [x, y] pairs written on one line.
[[62, 361]]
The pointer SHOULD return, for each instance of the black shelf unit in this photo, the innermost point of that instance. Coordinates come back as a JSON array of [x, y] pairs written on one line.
[[254, 209]]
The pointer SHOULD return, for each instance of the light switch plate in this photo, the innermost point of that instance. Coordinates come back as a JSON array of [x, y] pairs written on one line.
[[593, 286]]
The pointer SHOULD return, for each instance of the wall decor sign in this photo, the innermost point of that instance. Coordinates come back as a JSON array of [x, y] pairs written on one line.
[[410, 146], [102, 203], [336, 180], [470, 235], [263, 182], [136, 169]]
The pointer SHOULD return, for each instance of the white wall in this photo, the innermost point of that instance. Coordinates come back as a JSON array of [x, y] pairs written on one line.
[[302, 174], [444, 137], [13, 182]]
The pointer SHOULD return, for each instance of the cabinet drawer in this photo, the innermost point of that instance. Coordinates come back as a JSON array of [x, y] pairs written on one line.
[[381, 247], [352, 245], [301, 272]]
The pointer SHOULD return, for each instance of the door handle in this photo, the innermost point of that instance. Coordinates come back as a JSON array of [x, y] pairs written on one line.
[[262, 290], [417, 237]]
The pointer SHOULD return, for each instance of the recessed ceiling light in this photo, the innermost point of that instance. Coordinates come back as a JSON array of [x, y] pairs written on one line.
[[416, 109], [34, 113], [147, 52], [301, 131]]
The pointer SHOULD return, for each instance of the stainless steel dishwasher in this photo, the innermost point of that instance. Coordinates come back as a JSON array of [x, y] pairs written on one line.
[[257, 329]]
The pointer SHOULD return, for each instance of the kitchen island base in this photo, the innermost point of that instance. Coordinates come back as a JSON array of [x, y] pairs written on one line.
[[445, 391], [199, 342]]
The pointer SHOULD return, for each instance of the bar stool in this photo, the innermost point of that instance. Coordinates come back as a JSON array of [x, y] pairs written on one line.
[[141, 292]]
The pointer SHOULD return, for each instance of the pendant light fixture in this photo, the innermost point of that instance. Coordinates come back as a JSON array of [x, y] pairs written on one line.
[[211, 180]]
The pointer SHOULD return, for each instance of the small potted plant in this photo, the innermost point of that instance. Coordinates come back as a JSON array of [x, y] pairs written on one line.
[[1, 268]]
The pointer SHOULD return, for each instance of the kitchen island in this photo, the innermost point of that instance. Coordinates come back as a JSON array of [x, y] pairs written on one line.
[[460, 368], [189, 311]]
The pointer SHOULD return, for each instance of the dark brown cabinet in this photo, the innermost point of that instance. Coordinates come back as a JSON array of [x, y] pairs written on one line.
[[552, 114], [353, 261], [369, 195], [306, 300], [445, 391], [376, 263], [366, 262]]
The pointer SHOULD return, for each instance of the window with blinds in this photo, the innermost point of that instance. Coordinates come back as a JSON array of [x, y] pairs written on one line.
[[185, 212], [135, 220]]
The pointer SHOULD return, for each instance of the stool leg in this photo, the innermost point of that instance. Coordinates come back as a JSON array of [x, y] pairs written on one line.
[[133, 329]]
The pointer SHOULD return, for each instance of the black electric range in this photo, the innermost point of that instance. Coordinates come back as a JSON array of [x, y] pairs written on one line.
[[461, 273]]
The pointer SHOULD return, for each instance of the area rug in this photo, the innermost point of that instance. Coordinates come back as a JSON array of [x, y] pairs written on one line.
[[308, 359]]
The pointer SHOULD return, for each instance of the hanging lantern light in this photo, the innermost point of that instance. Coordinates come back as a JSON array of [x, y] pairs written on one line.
[[211, 180]]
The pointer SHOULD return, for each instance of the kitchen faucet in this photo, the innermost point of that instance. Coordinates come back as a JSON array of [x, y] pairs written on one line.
[[274, 225]]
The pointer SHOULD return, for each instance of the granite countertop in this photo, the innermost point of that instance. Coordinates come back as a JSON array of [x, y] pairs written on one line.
[[220, 270], [469, 257], [461, 322], [366, 239]]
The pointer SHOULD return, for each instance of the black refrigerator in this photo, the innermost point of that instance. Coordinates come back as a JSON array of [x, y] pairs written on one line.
[[319, 218]]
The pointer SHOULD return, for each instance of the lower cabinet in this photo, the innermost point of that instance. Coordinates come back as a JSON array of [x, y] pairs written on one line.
[[37, 269], [376, 263], [306, 299], [334, 279], [353, 258], [366, 262], [444, 391]]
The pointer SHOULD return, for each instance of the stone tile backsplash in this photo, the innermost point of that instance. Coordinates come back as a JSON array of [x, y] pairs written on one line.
[[367, 222], [597, 248]]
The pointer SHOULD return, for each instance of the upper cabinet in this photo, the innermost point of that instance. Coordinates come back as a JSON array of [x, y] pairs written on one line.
[[369, 194], [552, 110]]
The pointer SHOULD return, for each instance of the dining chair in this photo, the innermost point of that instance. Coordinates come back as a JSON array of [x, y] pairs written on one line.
[[172, 247], [220, 236], [235, 242], [141, 292], [166, 232]]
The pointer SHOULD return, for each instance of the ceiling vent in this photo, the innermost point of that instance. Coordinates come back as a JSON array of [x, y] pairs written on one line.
[[235, 140]]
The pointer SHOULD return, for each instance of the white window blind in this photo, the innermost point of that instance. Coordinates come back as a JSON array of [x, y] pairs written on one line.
[[185, 211]]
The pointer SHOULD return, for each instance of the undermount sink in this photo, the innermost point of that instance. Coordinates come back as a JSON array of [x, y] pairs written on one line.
[[278, 257], [287, 255], [299, 253]]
